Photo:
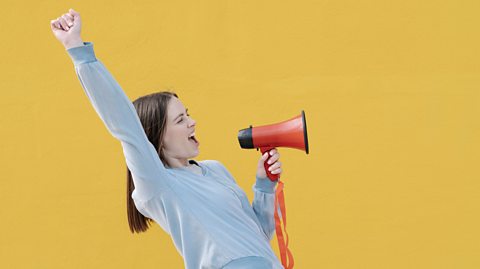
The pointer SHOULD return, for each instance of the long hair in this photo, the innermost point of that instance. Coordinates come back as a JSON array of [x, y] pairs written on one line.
[[152, 111]]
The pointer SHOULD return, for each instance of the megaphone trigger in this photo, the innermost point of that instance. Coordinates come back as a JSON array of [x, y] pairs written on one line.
[[272, 177]]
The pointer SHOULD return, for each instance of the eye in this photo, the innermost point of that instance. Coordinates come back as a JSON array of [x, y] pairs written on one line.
[[181, 119]]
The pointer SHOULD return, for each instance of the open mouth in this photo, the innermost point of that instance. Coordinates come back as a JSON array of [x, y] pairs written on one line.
[[192, 138]]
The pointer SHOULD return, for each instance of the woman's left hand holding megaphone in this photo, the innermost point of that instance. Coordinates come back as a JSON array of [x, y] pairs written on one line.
[[274, 166]]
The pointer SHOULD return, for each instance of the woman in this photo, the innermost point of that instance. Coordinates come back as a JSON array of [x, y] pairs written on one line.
[[199, 204]]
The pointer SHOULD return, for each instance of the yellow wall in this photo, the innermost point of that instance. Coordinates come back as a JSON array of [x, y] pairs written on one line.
[[390, 90]]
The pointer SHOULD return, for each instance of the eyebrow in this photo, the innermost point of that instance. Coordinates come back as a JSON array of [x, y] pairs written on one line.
[[186, 110]]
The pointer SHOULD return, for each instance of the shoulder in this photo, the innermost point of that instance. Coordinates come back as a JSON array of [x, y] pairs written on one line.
[[217, 167], [209, 162], [212, 164]]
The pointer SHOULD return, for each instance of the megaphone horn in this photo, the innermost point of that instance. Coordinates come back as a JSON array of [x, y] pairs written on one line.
[[291, 133]]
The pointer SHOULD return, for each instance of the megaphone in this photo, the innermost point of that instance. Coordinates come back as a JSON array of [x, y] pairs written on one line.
[[291, 133]]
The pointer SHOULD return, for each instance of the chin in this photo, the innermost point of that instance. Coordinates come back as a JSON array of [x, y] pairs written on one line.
[[195, 154]]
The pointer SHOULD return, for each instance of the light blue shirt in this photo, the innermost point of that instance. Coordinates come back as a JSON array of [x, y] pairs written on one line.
[[208, 216]]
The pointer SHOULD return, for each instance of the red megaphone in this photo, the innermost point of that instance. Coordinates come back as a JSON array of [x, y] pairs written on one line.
[[291, 133]]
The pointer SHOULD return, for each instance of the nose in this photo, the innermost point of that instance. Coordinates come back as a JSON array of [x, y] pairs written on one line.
[[192, 122]]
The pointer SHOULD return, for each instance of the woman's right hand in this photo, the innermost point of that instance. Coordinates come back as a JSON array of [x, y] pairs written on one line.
[[66, 29]]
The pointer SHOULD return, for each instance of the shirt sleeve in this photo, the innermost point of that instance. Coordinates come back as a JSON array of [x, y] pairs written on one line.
[[263, 204], [120, 118]]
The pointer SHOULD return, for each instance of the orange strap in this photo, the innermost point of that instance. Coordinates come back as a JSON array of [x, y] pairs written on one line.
[[282, 245]]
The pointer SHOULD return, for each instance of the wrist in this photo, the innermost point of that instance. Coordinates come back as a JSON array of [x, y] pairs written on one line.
[[265, 184], [77, 42]]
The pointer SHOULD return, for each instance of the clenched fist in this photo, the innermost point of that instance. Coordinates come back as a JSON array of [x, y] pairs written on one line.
[[275, 166], [66, 29]]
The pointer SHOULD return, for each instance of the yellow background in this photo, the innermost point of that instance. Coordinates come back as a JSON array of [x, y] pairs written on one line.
[[391, 95]]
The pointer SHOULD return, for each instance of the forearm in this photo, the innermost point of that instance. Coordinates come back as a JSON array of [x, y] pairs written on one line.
[[263, 204]]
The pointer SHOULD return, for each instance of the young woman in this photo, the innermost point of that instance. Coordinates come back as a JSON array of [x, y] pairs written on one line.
[[198, 204]]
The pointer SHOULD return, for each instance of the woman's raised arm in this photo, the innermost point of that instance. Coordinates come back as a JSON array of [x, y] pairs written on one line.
[[114, 108]]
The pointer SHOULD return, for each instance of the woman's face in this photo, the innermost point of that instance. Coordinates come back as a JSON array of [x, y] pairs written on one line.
[[178, 144]]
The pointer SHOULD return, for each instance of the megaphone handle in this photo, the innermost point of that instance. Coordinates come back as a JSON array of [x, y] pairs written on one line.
[[272, 177]]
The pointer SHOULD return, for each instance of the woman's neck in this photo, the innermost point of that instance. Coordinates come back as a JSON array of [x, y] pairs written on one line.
[[177, 163]]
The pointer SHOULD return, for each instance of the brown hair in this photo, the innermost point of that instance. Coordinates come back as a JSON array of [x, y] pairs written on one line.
[[152, 111]]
